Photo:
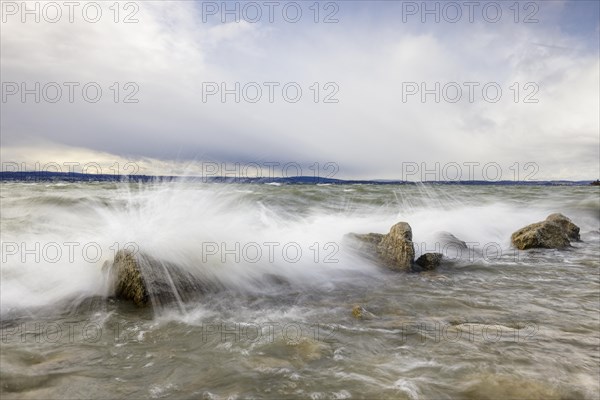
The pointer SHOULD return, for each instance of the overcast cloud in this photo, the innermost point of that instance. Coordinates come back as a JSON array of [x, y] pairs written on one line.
[[367, 58]]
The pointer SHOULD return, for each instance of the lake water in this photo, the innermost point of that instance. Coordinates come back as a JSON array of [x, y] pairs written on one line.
[[278, 321]]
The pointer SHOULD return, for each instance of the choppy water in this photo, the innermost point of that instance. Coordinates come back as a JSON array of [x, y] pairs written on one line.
[[279, 324]]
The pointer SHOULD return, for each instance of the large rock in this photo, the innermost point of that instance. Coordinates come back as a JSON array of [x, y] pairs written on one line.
[[129, 283], [148, 281], [566, 224], [553, 233], [396, 249]]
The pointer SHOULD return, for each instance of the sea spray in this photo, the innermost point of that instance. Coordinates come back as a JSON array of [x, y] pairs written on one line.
[[55, 239]]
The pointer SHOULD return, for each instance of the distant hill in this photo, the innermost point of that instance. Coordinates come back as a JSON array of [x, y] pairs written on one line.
[[45, 176]]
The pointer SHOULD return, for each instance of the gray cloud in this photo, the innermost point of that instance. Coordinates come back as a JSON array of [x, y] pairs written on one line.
[[370, 132]]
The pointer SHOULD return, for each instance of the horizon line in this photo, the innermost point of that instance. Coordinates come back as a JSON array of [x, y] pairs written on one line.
[[297, 179]]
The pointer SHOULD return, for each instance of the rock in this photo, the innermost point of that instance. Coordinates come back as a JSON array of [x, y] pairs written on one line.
[[148, 281], [566, 224], [359, 312], [449, 245], [129, 282], [365, 244], [370, 238], [429, 261], [447, 240], [540, 235], [396, 249], [553, 233]]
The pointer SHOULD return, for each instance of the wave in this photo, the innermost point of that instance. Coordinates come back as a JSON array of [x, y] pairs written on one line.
[[55, 243]]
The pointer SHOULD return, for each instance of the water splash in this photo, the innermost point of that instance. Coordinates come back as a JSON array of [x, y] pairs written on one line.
[[244, 237]]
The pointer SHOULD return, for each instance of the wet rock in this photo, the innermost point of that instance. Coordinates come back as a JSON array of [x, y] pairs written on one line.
[[372, 239], [364, 244], [553, 233], [359, 312], [450, 246], [447, 240], [129, 282], [566, 224], [540, 235], [146, 280], [428, 261], [396, 249]]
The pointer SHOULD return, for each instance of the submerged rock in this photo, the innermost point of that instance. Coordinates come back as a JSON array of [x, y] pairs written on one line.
[[493, 386], [359, 312], [553, 233], [429, 261]]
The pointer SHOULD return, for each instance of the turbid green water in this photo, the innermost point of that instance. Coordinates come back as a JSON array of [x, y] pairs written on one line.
[[494, 323]]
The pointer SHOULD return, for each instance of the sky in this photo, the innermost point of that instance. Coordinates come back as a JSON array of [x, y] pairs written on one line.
[[349, 89]]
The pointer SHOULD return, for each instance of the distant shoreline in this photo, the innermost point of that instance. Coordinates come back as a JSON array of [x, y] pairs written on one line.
[[44, 176]]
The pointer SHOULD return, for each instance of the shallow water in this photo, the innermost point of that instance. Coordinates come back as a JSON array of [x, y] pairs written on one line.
[[495, 323]]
